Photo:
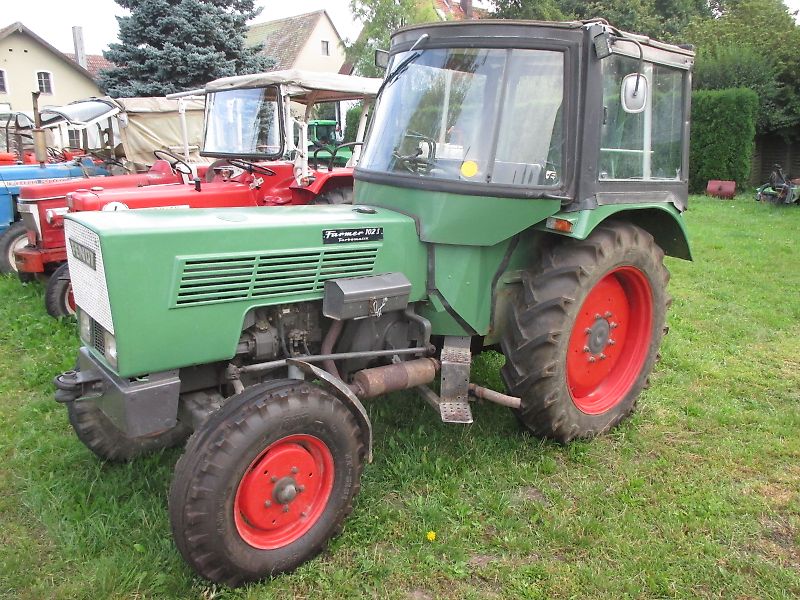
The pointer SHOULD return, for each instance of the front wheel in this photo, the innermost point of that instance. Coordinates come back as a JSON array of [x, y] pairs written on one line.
[[58, 298], [102, 437], [584, 331], [14, 238], [265, 482]]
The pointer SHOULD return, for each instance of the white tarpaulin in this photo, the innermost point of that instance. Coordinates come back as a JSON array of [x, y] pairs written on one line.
[[304, 86], [148, 124]]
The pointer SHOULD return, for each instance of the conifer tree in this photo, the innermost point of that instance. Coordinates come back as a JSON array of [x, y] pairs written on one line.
[[175, 45]]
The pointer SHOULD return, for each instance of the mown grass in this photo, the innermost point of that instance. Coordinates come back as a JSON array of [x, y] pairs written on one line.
[[698, 495]]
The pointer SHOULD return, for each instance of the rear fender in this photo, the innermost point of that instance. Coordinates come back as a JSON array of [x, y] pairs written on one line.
[[324, 182], [663, 221]]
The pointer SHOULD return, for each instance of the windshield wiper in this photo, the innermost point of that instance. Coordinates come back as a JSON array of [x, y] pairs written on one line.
[[403, 66]]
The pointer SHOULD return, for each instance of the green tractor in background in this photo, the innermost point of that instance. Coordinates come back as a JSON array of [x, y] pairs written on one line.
[[326, 137], [520, 186]]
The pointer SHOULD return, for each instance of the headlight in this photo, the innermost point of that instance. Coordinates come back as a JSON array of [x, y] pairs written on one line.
[[85, 327], [111, 349]]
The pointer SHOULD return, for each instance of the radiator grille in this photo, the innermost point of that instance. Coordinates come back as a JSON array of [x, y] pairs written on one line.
[[212, 279], [88, 281]]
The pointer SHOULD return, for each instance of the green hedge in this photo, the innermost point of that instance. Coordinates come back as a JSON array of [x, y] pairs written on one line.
[[723, 134]]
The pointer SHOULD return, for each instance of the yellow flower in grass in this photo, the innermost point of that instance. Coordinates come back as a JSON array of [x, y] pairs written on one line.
[[431, 535]]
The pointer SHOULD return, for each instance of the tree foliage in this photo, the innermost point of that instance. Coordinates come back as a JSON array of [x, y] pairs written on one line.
[[753, 43], [174, 45], [723, 130], [381, 18]]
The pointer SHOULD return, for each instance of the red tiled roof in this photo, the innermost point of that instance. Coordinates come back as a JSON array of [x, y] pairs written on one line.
[[94, 63], [283, 39]]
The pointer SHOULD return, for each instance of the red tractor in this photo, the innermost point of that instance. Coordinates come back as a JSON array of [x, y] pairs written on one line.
[[262, 160]]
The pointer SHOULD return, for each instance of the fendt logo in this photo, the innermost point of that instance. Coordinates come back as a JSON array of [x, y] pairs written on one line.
[[83, 254]]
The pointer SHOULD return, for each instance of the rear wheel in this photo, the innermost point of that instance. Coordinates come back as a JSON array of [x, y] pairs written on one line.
[[584, 332], [102, 437], [58, 298], [14, 238], [265, 482]]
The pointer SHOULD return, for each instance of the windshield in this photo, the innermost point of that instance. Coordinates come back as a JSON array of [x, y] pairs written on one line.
[[323, 134], [243, 123], [442, 117]]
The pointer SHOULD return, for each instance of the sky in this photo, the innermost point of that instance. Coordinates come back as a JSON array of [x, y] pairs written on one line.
[[53, 19]]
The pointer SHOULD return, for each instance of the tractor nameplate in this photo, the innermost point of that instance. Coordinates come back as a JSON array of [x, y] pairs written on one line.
[[84, 254], [360, 234]]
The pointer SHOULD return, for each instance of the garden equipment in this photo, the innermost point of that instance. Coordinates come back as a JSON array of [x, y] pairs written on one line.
[[779, 190], [264, 331]]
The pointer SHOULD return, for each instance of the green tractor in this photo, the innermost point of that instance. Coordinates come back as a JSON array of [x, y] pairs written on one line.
[[519, 188], [324, 136]]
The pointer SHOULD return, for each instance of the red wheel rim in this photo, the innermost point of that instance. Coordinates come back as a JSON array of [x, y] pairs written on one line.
[[69, 298], [610, 340], [283, 492]]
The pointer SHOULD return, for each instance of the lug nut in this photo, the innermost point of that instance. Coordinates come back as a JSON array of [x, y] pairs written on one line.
[[608, 314], [611, 342], [597, 317], [301, 488], [295, 470], [586, 348], [603, 357], [304, 514], [613, 325], [592, 359], [273, 479], [285, 508], [268, 503], [587, 331]]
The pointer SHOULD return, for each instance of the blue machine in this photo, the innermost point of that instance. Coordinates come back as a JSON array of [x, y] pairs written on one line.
[[13, 177]]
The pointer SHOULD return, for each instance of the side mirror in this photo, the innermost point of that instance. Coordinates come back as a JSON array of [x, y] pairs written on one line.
[[381, 59], [634, 93]]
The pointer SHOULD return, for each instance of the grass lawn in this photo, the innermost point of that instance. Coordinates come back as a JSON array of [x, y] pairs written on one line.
[[698, 495]]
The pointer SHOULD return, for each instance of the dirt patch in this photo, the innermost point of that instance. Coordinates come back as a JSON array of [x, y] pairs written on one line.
[[419, 595], [533, 494], [779, 543], [479, 561]]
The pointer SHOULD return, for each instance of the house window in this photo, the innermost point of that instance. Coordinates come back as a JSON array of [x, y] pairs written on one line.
[[74, 138], [45, 81], [326, 48], [3, 86]]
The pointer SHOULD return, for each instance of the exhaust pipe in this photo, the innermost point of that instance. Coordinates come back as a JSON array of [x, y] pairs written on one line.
[[369, 383]]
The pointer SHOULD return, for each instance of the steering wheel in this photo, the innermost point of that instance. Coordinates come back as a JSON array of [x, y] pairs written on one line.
[[108, 160], [250, 167], [219, 165], [414, 163], [336, 149], [174, 161], [55, 154]]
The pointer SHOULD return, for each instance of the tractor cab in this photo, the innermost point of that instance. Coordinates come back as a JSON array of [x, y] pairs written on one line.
[[266, 118]]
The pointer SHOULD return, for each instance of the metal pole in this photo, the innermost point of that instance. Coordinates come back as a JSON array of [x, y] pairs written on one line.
[[276, 364]]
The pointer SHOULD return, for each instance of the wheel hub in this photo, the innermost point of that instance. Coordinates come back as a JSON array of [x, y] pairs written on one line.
[[285, 490], [599, 336]]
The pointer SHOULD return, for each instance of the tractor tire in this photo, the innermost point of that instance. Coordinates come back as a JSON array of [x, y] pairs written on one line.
[[265, 482], [340, 195], [102, 437], [58, 299], [584, 332], [13, 238]]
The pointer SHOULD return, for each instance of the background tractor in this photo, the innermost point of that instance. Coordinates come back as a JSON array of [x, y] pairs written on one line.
[[264, 331], [273, 174], [109, 137]]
